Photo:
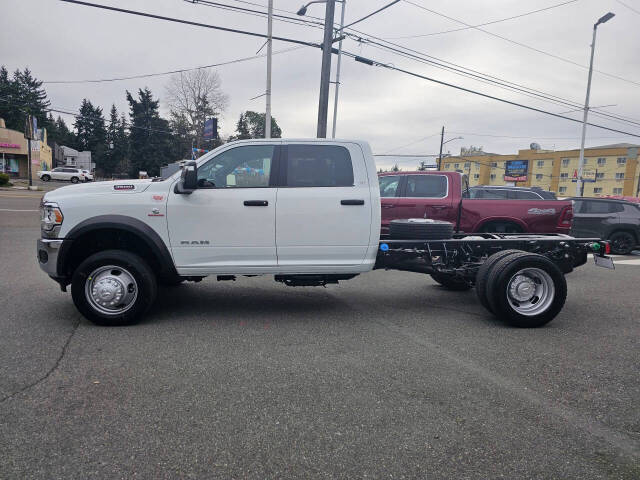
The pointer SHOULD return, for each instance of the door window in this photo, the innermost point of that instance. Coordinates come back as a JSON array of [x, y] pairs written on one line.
[[601, 207], [247, 166], [318, 166], [427, 186], [389, 185]]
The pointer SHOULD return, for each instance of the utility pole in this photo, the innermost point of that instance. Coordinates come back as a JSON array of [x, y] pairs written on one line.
[[325, 74], [579, 182], [441, 144], [335, 99], [267, 119]]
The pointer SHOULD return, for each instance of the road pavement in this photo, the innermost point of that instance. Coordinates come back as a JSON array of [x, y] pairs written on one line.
[[384, 376]]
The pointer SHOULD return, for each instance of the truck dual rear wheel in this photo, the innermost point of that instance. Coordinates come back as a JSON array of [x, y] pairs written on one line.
[[483, 275], [450, 282], [526, 290], [113, 288]]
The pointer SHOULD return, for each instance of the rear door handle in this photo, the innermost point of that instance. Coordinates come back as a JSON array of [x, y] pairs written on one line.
[[352, 202], [256, 203], [438, 207]]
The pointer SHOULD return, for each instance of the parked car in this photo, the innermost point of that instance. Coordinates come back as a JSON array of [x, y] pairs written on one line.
[[88, 176], [615, 220], [445, 196], [65, 174], [505, 192]]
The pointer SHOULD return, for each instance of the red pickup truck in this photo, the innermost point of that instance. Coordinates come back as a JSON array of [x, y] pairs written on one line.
[[445, 196]]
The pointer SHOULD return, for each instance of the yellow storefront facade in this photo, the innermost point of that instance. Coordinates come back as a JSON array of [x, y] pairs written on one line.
[[614, 168]]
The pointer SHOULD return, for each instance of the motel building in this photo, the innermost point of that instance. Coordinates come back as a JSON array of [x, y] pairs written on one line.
[[608, 169], [14, 153]]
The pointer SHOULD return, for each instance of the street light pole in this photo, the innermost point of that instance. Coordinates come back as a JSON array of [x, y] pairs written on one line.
[[579, 181], [337, 90], [325, 73]]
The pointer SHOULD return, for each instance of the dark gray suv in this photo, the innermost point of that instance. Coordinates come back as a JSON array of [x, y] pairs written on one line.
[[614, 220]]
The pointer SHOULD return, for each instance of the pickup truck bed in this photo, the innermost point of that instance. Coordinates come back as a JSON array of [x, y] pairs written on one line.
[[444, 196]]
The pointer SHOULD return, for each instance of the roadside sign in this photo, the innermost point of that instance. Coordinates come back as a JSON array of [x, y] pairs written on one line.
[[588, 175], [516, 170], [211, 129]]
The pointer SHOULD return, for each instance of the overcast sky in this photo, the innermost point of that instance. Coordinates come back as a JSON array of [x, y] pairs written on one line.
[[61, 41]]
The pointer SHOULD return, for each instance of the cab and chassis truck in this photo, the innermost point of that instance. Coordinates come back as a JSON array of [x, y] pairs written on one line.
[[305, 211]]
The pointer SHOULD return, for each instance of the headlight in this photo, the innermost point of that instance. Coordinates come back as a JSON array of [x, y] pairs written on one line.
[[50, 216]]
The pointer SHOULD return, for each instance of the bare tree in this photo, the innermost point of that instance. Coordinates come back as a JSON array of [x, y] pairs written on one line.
[[194, 97]]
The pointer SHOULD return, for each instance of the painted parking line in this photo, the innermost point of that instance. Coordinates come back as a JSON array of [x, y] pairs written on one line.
[[14, 210], [627, 262]]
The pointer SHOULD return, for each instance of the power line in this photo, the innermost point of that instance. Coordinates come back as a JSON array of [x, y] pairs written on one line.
[[566, 60], [412, 143], [170, 72], [188, 22], [373, 13], [481, 94], [486, 23], [630, 8]]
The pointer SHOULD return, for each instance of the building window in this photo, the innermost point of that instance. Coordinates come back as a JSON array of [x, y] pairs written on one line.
[[620, 176], [467, 165], [562, 190], [564, 176], [617, 191], [476, 176], [597, 190], [565, 162], [456, 165], [600, 175], [540, 163], [538, 176], [622, 160], [602, 161], [447, 166], [494, 164], [493, 176]]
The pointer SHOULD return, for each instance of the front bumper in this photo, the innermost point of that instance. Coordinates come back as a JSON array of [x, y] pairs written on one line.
[[47, 254]]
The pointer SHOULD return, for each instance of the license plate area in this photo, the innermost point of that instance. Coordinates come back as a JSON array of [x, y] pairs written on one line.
[[605, 262]]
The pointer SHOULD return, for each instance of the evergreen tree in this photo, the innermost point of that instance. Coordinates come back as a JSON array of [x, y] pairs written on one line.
[[252, 125], [395, 168], [115, 156], [20, 95], [91, 133], [150, 141]]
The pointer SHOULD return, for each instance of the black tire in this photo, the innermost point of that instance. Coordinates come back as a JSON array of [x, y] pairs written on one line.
[[501, 227], [622, 243], [144, 278], [507, 269], [420, 229], [483, 274], [45, 178], [451, 282], [75, 179]]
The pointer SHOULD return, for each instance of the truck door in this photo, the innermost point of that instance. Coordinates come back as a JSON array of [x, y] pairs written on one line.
[[324, 209], [230, 220], [426, 196]]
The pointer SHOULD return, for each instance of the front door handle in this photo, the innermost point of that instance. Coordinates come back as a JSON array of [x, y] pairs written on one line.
[[352, 202], [386, 205], [438, 207], [256, 203]]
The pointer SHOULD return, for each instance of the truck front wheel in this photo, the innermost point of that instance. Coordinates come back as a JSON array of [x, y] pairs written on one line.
[[526, 290], [451, 282], [113, 288]]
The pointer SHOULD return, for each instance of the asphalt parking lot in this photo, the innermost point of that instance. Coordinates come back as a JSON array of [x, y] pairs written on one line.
[[383, 376]]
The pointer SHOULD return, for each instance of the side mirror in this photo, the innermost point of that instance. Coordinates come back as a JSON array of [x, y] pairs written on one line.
[[188, 179]]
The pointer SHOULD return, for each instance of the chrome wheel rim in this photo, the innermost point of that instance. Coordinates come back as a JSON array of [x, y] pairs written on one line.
[[530, 291], [111, 290]]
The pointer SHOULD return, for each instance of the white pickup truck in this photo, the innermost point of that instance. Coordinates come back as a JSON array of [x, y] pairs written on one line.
[[305, 211]]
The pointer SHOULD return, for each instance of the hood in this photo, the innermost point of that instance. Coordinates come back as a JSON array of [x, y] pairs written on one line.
[[117, 187]]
